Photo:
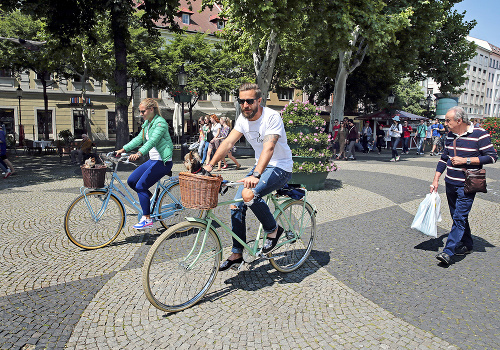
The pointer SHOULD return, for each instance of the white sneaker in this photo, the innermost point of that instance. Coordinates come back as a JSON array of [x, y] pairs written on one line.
[[392, 160], [7, 174]]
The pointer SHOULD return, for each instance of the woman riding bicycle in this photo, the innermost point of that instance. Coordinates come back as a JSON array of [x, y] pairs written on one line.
[[155, 139]]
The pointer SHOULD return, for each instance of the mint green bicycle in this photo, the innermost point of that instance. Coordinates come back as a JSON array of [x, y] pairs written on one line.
[[182, 264]]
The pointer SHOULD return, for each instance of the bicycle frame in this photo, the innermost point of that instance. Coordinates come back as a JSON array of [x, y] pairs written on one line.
[[209, 218], [161, 189]]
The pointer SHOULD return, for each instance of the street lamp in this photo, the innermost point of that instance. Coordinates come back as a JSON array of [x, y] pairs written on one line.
[[390, 98], [19, 92], [426, 103], [182, 80]]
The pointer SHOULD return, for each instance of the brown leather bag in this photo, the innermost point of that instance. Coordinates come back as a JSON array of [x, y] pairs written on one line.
[[475, 179]]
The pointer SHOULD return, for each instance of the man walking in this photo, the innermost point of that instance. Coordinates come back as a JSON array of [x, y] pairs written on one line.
[[473, 149], [85, 148], [436, 136], [263, 128], [353, 139], [421, 132]]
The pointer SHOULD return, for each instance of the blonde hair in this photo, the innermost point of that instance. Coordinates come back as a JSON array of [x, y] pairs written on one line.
[[151, 103]]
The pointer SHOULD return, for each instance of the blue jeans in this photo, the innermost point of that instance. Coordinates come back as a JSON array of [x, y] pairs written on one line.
[[420, 147], [272, 179], [460, 205], [395, 144], [205, 150], [201, 148], [406, 144], [145, 176]]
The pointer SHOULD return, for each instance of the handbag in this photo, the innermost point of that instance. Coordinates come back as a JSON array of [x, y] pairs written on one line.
[[475, 179]]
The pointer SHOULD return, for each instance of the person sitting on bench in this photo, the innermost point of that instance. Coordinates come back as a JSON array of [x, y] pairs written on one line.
[[85, 148]]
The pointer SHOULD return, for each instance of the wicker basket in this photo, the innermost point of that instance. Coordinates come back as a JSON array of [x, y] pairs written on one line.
[[199, 191], [94, 177]]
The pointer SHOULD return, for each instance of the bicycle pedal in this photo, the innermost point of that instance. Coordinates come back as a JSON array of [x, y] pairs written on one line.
[[237, 267]]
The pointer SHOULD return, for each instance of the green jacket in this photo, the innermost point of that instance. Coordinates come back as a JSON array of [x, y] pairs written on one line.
[[159, 138]]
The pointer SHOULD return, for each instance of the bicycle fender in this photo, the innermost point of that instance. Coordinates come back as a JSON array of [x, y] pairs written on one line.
[[201, 221]]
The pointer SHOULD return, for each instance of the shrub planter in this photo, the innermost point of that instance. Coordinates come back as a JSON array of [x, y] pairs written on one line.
[[311, 181], [309, 142], [300, 159]]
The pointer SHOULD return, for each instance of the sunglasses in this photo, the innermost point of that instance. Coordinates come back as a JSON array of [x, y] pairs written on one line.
[[249, 101], [142, 111]]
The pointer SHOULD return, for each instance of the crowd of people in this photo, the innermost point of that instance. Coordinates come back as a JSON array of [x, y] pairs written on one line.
[[346, 138], [212, 131]]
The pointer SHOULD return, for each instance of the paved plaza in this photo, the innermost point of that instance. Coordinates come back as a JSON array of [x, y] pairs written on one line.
[[371, 282]]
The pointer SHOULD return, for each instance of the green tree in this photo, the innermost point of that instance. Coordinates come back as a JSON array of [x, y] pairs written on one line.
[[69, 18], [259, 29], [44, 61], [210, 68]]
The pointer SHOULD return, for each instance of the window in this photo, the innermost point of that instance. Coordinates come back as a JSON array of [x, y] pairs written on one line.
[[285, 94], [474, 68], [152, 93], [45, 76], [5, 73], [220, 24], [224, 97], [111, 122], [186, 17], [42, 121], [203, 97], [430, 92]]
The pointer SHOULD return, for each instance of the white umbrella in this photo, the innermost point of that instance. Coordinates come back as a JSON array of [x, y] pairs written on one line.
[[177, 119]]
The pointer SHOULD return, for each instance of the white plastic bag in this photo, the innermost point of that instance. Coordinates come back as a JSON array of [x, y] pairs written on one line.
[[428, 215]]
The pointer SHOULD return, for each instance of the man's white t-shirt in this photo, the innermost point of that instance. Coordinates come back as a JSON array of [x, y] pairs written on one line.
[[269, 123]]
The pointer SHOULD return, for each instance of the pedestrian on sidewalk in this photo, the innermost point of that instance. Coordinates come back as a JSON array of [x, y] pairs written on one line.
[[395, 133], [341, 139], [5, 164], [226, 129], [421, 132], [85, 148], [380, 137], [407, 129], [436, 137], [473, 149], [367, 134], [353, 139]]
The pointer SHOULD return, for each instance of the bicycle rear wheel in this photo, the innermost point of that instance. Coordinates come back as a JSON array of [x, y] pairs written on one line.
[[179, 269], [173, 209], [290, 256], [98, 230]]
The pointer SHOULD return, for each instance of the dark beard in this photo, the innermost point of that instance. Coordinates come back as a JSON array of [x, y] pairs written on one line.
[[251, 115]]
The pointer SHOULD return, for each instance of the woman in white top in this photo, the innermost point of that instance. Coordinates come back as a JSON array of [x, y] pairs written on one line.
[[395, 133], [216, 130], [226, 128]]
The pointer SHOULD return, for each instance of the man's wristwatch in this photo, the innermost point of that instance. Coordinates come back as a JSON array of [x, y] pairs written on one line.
[[468, 161], [256, 174]]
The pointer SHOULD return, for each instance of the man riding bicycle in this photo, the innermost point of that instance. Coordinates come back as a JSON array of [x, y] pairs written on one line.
[[263, 128]]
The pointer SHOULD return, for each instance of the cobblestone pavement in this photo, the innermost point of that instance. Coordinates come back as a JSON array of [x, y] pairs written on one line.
[[371, 281]]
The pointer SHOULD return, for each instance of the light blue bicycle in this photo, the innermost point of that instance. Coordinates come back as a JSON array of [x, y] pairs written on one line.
[[96, 217]]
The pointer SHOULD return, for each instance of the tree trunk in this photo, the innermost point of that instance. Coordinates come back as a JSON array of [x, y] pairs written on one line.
[[120, 33], [339, 92], [264, 69], [348, 62]]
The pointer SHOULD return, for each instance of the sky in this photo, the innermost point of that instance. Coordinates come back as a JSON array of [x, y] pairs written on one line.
[[486, 13]]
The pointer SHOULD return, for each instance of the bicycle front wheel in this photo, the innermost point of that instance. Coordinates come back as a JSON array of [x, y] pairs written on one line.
[[298, 228], [90, 223], [171, 209], [181, 266]]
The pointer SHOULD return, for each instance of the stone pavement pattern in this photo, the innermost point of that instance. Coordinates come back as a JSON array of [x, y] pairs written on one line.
[[371, 281]]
